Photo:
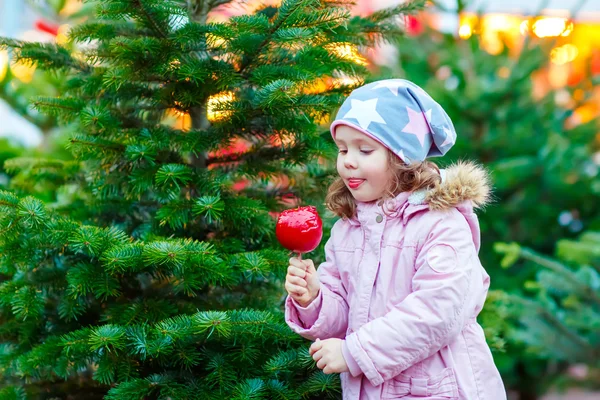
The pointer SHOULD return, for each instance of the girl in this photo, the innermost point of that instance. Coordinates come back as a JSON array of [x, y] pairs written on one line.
[[393, 308]]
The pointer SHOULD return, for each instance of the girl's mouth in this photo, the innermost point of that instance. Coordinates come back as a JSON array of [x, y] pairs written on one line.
[[355, 183]]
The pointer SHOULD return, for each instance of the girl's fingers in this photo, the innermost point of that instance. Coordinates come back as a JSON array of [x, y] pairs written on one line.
[[316, 346], [297, 263], [318, 355], [296, 271], [310, 266], [321, 364], [297, 281], [296, 290]]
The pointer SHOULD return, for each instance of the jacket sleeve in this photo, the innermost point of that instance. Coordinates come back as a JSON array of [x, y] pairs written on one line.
[[327, 316], [432, 315]]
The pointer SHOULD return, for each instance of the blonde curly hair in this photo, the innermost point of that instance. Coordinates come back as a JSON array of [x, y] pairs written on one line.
[[405, 178]]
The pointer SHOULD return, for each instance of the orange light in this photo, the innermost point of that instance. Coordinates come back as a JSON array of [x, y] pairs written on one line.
[[184, 122], [503, 72], [586, 112], [178, 119], [320, 85]]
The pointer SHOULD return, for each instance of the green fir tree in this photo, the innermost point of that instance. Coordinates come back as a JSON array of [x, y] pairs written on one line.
[[559, 315], [153, 272]]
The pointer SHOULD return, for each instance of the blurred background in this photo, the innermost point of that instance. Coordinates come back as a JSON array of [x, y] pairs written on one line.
[[520, 79]]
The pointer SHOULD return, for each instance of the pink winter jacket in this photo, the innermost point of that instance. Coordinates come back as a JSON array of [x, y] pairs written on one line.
[[402, 285]]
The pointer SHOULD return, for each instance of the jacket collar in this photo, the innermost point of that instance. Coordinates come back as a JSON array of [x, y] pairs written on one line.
[[368, 213], [464, 184]]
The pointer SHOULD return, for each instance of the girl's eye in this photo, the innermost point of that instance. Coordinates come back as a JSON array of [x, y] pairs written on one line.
[[366, 151], [343, 151]]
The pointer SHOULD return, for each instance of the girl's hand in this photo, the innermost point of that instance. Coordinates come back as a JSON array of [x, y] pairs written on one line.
[[328, 355], [302, 282]]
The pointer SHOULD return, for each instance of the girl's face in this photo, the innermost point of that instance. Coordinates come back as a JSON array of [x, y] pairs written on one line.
[[362, 163]]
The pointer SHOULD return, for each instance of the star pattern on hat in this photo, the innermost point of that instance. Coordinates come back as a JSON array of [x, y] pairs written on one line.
[[450, 136], [364, 112], [417, 124], [378, 109], [390, 84]]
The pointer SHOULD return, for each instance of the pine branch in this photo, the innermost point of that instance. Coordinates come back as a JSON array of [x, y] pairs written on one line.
[[586, 347], [9, 43], [585, 290], [408, 7], [286, 11], [96, 143]]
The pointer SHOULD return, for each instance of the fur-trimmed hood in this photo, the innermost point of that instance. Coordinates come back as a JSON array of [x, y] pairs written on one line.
[[462, 181]]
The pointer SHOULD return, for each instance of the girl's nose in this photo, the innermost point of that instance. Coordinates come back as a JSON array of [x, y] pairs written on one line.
[[349, 161]]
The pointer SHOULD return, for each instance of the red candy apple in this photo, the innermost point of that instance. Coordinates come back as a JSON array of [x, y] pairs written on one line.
[[299, 229]]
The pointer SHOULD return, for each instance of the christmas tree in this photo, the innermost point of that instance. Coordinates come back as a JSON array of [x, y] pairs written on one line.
[[539, 149], [153, 271]]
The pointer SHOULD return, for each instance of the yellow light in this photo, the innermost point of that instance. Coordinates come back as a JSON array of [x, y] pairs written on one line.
[[564, 54], [3, 64], [213, 41], [501, 23], [552, 27], [347, 51], [23, 72], [347, 81], [61, 37], [524, 27], [318, 86], [491, 42], [558, 75], [213, 101], [495, 30], [468, 25], [465, 31], [497, 22], [71, 7]]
